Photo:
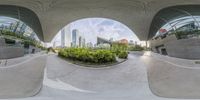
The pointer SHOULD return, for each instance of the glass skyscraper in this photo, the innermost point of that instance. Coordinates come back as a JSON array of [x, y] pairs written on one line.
[[74, 37]]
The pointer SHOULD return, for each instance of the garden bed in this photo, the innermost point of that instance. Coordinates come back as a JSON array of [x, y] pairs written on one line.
[[94, 65], [91, 58]]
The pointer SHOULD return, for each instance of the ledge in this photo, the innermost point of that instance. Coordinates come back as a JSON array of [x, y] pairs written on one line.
[[88, 65]]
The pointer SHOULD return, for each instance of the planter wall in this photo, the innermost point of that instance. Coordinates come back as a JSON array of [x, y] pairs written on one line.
[[183, 48], [7, 52]]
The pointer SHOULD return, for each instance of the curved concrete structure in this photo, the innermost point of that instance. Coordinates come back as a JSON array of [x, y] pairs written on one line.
[[136, 14], [23, 14], [23, 79], [168, 14], [173, 78]]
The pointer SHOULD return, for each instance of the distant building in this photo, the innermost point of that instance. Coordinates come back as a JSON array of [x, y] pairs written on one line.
[[68, 36], [74, 37], [83, 42], [63, 37], [111, 39], [124, 41], [71, 38], [101, 40], [131, 42], [80, 41], [89, 45]]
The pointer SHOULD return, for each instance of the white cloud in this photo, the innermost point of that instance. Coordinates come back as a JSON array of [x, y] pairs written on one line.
[[106, 28]]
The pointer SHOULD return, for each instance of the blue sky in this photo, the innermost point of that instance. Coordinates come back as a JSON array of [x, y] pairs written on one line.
[[105, 28]]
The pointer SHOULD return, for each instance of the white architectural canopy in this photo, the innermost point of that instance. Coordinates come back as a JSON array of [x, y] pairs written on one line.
[[49, 16]]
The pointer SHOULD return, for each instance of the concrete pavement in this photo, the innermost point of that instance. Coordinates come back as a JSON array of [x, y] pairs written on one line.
[[126, 81]]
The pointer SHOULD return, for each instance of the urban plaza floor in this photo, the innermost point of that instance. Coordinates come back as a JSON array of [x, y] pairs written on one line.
[[126, 81]]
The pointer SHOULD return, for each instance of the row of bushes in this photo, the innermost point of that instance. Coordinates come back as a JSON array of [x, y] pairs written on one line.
[[123, 55], [88, 55], [136, 48], [120, 50]]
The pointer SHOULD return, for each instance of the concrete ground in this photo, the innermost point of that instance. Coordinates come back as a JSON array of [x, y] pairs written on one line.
[[126, 81]]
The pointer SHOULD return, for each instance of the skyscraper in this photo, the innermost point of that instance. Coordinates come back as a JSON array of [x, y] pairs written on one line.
[[74, 37], [63, 37], [68, 37]]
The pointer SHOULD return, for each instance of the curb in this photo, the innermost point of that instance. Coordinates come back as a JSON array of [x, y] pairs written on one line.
[[93, 66]]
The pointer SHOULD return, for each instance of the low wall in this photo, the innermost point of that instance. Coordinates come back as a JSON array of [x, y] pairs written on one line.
[[22, 80], [172, 80], [184, 48], [159, 41], [7, 52], [2, 42]]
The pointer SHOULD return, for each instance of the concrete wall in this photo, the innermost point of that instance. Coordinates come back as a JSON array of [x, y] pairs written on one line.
[[30, 49], [22, 80], [2, 42], [183, 48], [7, 52]]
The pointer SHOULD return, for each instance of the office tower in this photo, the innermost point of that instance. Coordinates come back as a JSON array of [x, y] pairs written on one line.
[[63, 37]]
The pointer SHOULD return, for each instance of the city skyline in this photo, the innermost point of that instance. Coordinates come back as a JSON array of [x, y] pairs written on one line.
[[91, 28]]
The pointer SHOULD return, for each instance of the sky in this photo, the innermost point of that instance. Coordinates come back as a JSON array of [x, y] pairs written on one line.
[[101, 27]]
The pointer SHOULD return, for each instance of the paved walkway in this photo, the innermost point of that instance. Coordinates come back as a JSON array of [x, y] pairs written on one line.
[[126, 81]]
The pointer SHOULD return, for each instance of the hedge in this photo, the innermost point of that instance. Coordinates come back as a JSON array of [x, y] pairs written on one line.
[[118, 47], [123, 55], [88, 55], [136, 48]]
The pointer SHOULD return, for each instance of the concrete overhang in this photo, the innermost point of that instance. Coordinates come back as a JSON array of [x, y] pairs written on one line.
[[171, 13], [25, 15], [136, 14]]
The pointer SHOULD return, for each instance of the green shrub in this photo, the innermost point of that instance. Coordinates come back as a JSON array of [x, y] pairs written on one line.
[[136, 48], [118, 47], [123, 55], [88, 55], [185, 34], [104, 56], [24, 39]]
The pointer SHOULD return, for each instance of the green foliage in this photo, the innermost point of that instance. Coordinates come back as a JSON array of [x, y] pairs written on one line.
[[9, 41], [123, 55], [186, 34], [88, 55], [136, 48], [25, 40], [119, 47], [50, 49]]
